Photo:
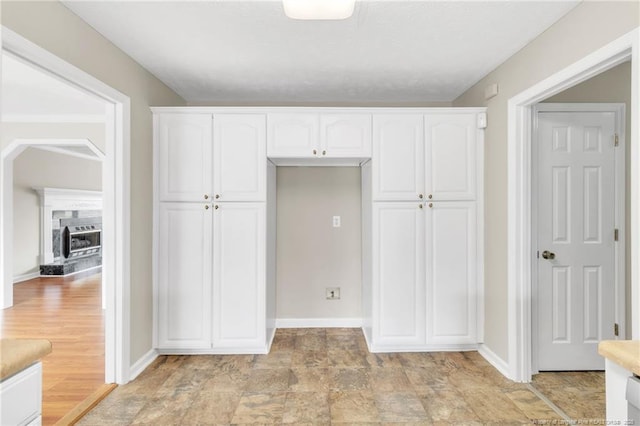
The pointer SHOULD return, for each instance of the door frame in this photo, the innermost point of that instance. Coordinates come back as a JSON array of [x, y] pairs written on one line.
[[619, 212], [116, 201], [519, 137]]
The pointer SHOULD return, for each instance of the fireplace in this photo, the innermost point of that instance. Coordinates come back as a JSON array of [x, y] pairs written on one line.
[[81, 237]]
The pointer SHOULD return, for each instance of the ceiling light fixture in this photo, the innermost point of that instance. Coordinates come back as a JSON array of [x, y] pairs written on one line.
[[318, 9]]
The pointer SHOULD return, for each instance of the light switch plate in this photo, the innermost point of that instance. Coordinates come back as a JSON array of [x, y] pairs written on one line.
[[333, 293]]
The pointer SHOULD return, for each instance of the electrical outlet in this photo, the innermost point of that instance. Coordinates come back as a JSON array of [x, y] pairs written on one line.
[[336, 221], [333, 293]]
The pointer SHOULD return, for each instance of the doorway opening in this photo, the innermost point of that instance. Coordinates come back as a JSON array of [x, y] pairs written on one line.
[[520, 259], [115, 178]]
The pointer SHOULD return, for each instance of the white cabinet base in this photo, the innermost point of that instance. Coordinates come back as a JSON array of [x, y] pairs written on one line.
[[616, 386], [21, 396]]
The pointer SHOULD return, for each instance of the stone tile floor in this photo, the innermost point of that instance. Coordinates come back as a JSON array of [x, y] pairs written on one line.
[[327, 376]]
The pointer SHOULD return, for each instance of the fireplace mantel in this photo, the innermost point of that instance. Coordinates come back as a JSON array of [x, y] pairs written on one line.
[[52, 199]]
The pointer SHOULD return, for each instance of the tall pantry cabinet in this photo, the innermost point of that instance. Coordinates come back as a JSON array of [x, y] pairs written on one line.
[[422, 232], [212, 176]]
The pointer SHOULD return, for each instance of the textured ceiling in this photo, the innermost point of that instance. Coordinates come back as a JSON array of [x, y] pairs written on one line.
[[390, 52], [28, 92]]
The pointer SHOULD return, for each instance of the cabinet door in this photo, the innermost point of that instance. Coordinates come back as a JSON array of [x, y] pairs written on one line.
[[292, 135], [240, 157], [398, 157], [398, 276], [450, 156], [184, 276], [345, 135], [451, 272], [184, 156], [239, 231]]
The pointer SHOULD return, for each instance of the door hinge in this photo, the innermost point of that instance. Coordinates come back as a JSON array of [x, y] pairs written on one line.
[[615, 234], [616, 140], [616, 330]]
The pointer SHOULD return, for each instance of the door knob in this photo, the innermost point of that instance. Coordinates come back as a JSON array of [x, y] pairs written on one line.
[[548, 255]]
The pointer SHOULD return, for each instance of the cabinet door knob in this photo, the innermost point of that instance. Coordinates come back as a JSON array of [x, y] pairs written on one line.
[[324, 152], [206, 197], [421, 196], [430, 205], [420, 205], [315, 152], [217, 196], [430, 196], [206, 207], [216, 207]]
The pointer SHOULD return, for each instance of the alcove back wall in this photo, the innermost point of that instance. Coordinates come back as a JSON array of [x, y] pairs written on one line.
[[311, 254]]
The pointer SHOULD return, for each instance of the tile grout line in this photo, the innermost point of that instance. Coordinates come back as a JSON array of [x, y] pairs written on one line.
[[547, 401]]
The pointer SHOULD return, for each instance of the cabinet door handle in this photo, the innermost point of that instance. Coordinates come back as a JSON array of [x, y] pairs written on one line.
[[430, 196], [420, 205], [421, 196], [324, 152], [315, 152], [430, 205], [206, 207], [217, 196], [216, 207], [206, 197]]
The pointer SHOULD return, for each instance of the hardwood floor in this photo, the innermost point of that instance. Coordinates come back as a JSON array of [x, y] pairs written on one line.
[[68, 312]]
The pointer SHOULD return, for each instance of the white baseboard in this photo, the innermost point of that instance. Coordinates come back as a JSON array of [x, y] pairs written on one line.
[[318, 322], [501, 365], [26, 277], [139, 366]]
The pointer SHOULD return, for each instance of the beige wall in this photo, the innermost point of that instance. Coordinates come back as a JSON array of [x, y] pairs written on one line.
[[311, 254], [612, 86], [37, 168], [52, 26], [587, 27]]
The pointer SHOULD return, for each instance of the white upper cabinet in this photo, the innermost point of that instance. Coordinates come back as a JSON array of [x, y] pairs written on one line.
[[398, 157], [184, 156], [239, 157], [450, 156], [345, 135], [452, 292], [292, 135], [184, 275], [239, 275], [311, 136], [398, 275]]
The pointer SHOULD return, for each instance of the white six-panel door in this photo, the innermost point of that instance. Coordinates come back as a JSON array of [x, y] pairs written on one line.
[[450, 156], [185, 156], [239, 273], [451, 272], [398, 277], [184, 276], [239, 157], [398, 157], [576, 277]]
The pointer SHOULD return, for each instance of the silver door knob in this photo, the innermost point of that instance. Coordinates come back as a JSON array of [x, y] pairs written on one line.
[[548, 255]]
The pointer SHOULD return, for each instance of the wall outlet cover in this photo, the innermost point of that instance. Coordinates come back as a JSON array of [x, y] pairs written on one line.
[[333, 293]]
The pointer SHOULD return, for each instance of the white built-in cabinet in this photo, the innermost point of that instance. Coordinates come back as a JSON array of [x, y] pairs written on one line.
[[211, 172], [423, 183], [215, 222], [307, 135]]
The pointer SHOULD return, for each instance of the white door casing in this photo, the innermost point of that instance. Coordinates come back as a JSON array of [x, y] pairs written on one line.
[[576, 288], [398, 157], [398, 242], [451, 280], [239, 274], [239, 157], [184, 275], [185, 156]]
